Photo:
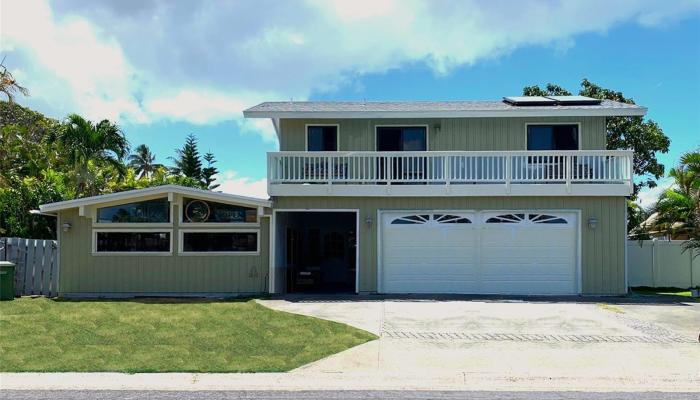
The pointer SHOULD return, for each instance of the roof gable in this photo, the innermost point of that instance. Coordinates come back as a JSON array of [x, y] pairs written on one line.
[[164, 190]]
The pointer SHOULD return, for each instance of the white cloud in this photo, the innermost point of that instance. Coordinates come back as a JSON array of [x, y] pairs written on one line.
[[204, 62], [230, 182], [647, 197]]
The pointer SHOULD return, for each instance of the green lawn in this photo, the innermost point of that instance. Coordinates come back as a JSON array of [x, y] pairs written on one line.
[[163, 336], [647, 291]]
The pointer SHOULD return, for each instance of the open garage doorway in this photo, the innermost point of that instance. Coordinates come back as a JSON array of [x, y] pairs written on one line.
[[315, 252]]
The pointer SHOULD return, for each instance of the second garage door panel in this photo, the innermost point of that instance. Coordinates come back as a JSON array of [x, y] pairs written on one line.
[[521, 253]]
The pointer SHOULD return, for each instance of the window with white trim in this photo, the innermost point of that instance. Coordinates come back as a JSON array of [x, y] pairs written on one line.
[[411, 219], [518, 218], [322, 138], [132, 241], [203, 211], [552, 137], [147, 211], [436, 218], [220, 241]]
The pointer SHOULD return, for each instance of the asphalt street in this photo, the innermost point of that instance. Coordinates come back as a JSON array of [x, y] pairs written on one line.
[[335, 395]]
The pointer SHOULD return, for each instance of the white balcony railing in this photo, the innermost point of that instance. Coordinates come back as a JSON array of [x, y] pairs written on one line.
[[598, 167]]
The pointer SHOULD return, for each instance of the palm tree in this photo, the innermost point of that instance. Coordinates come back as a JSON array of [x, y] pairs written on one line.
[[143, 162], [9, 85], [87, 144], [678, 209], [691, 162]]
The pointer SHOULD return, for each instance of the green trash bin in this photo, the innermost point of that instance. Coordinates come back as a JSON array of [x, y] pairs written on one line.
[[7, 280]]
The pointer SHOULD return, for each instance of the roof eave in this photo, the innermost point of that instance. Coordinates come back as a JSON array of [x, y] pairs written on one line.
[[599, 112], [165, 189]]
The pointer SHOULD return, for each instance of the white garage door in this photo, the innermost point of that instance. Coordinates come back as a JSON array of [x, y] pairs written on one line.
[[523, 252]]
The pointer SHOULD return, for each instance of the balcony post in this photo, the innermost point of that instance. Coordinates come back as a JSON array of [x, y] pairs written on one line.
[[390, 176], [508, 172], [446, 172], [569, 168], [329, 170]]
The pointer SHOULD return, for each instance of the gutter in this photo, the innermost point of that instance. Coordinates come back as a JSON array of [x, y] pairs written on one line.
[[39, 212]]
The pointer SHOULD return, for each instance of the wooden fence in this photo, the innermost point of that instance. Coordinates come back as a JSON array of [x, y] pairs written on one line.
[[36, 265]]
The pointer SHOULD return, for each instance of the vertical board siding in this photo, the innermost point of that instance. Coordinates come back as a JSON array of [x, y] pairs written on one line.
[[602, 249], [445, 134], [83, 273]]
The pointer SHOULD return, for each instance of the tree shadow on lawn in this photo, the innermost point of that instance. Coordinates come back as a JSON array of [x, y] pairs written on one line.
[[158, 300]]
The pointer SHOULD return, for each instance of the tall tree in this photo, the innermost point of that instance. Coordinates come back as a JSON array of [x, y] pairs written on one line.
[[645, 138], [187, 162], [143, 161], [88, 146], [551, 90], [8, 84], [209, 172]]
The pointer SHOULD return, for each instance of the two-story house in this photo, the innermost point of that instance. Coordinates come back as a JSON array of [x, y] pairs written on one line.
[[518, 196]]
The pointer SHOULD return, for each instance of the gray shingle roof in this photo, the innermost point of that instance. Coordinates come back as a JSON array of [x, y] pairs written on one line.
[[375, 109]]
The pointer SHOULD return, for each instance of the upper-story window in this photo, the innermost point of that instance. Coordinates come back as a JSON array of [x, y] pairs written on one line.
[[202, 211], [148, 211], [322, 138], [402, 138], [552, 137]]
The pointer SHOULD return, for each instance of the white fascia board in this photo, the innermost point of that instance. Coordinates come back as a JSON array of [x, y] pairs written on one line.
[[515, 190], [599, 112], [165, 189]]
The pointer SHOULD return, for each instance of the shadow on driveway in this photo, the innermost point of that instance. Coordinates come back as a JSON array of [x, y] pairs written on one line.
[[622, 300]]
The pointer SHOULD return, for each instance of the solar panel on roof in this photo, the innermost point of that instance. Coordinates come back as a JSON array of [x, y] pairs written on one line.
[[529, 101], [574, 100]]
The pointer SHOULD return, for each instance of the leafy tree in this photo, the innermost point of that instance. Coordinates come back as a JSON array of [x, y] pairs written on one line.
[[209, 172], [551, 90], [645, 138], [87, 146], [143, 161], [26, 194], [187, 162], [24, 150]]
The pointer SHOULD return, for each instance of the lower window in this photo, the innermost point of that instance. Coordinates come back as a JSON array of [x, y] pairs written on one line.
[[132, 242], [220, 242]]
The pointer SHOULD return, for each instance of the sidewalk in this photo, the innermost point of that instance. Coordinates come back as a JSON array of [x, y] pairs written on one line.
[[338, 381]]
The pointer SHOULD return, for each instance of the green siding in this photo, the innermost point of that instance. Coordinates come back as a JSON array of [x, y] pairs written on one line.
[[602, 249], [446, 134], [82, 273]]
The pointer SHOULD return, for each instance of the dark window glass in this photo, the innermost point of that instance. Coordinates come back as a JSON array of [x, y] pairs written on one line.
[[546, 219], [322, 138], [552, 137], [133, 241], [219, 241], [506, 219], [401, 138], [207, 211], [142, 211]]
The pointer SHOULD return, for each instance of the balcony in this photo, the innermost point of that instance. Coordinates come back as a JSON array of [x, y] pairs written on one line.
[[451, 173]]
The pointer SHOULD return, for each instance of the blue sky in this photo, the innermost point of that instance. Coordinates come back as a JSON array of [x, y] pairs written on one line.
[[134, 64]]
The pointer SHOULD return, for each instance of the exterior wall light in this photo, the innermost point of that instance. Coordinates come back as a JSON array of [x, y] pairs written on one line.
[[592, 223], [66, 226], [368, 221]]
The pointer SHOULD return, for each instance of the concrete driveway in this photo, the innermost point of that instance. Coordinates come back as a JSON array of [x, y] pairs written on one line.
[[584, 343]]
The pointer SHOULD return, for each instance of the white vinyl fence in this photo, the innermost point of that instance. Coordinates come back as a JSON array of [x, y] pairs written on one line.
[[36, 265], [661, 263]]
